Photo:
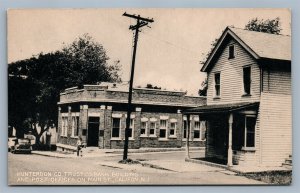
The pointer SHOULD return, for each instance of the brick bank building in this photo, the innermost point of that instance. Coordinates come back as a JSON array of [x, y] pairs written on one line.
[[98, 113]]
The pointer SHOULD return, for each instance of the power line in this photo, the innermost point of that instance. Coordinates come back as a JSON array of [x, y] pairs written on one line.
[[172, 44]]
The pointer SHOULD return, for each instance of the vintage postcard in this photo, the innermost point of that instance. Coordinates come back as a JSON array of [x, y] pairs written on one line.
[[149, 97]]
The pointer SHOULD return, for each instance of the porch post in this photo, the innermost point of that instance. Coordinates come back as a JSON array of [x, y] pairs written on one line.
[[229, 156], [187, 148]]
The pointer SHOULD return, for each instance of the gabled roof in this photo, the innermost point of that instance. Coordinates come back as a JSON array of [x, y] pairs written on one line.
[[260, 45]]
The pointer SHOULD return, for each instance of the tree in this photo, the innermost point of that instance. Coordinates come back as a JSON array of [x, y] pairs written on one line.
[[150, 86], [203, 90], [271, 26], [84, 61]]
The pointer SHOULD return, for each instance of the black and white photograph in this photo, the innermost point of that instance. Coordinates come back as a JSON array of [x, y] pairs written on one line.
[[149, 96]]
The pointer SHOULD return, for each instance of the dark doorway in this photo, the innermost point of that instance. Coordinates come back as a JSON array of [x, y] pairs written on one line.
[[218, 142], [93, 131]]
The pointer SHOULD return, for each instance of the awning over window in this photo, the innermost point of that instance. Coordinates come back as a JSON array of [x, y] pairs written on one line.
[[222, 108]]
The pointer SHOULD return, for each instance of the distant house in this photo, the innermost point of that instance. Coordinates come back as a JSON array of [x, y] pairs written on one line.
[[98, 113], [248, 111]]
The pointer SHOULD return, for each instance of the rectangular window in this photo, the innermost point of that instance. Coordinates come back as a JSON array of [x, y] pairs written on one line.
[[247, 80], [197, 130], [143, 128], [163, 129], [77, 126], [116, 122], [217, 84], [202, 130], [73, 126], [184, 128], [64, 126], [231, 52], [152, 128], [173, 129], [249, 131]]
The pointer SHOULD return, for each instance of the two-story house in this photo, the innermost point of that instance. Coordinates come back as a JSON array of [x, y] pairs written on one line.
[[248, 111]]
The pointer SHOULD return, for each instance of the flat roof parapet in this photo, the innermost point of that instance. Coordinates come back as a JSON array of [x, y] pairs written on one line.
[[94, 87], [159, 91]]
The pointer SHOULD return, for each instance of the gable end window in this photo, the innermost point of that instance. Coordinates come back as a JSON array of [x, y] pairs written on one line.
[[231, 52], [247, 80], [217, 84]]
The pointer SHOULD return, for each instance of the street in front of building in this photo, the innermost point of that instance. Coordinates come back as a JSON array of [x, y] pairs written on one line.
[[166, 168]]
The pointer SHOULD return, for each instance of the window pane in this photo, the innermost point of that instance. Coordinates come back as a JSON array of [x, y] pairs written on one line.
[[152, 128], [152, 131], [77, 126], [217, 84], [217, 78], [247, 79], [196, 134], [116, 127], [143, 128], [131, 123], [163, 123], [197, 125], [250, 124], [250, 140], [172, 132], [231, 51], [162, 133], [115, 132], [116, 122], [203, 130], [173, 125], [143, 125]]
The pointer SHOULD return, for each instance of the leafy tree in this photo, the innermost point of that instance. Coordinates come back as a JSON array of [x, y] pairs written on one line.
[[35, 83], [152, 87], [271, 26], [203, 90]]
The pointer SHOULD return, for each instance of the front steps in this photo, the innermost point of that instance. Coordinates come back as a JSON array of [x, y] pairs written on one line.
[[288, 163]]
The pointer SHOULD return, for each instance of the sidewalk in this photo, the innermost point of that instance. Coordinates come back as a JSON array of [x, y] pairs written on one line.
[[96, 152], [238, 168]]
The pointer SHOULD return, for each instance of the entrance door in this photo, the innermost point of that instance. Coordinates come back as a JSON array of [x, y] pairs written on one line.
[[93, 131]]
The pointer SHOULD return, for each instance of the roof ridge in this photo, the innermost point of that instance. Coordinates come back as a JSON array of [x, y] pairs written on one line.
[[233, 27]]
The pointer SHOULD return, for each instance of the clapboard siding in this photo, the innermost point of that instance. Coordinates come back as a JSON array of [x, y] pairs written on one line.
[[232, 77], [245, 158], [278, 82], [276, 128]]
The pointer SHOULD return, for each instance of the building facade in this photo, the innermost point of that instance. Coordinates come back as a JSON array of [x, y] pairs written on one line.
[[248, 111], [97, 113]]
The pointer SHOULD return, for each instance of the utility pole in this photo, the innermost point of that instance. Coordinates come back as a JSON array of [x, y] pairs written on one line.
[[140, 22]]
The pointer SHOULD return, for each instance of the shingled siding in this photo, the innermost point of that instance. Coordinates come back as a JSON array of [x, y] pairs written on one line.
[[276, 128], [232, 77], [248, 158]]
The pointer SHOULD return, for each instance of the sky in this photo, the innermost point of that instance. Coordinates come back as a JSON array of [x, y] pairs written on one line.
[[169, 51]]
